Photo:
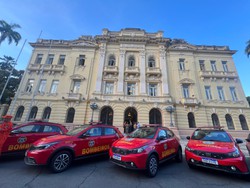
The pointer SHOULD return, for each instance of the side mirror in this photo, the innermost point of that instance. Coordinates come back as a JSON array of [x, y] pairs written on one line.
[[84, 135], [161, 138], [248, 140], [188, 137], [238, 141]]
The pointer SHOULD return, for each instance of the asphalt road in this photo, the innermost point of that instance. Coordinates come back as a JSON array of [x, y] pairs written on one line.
[[99, 172]]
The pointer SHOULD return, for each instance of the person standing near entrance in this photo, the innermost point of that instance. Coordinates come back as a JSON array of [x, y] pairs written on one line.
[[5, 129]]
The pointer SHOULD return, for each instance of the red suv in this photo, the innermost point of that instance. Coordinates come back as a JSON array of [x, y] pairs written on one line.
[[214, 148], [22, 136], [59, 151], [145, 148]]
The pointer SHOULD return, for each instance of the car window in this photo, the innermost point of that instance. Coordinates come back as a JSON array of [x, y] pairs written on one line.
[[97, 131], [143, 132], [162, 133], [211, 135], [109, 131], [29, 129], [51, 129], [170, 134]]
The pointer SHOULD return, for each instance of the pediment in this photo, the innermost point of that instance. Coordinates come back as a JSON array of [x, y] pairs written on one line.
[[77, 77], [186, 81]]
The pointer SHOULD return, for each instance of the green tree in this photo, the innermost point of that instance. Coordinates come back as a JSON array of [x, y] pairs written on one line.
[[247, 50], [7, 31], [248, 100], [7, 63]]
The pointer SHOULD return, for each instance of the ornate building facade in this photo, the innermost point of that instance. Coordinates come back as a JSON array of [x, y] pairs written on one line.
[[132, 75]]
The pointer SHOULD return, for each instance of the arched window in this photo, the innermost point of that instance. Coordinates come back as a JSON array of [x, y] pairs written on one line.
[[70, 115], [155, 116], [111, 61], [131, 61], [151, 62], [107, 116], [19, 113], [46, 113], [33, 113], [229, 120], [243, 122], [215, 120], [191, 120]]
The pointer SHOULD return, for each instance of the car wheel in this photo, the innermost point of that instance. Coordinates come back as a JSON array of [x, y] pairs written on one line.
[[152, 166], [61, 161], [178, 156]]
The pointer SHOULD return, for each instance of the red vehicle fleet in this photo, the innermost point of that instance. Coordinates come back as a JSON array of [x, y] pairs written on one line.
[[214, 148], [145, 148]]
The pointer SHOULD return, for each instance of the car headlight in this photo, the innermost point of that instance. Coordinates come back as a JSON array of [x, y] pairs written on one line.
[[234, 154], [138, 150], [189, 149], [46, 146]]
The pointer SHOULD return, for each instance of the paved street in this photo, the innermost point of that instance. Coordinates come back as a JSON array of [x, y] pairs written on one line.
[[99, 172]]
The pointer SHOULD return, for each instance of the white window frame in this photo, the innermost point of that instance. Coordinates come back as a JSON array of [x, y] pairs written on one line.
[[208, 92], [42, 86], [151, 62], [152, 90], [76, 86], [39, 58], [30, 85], [185, 90], [233, 93], [224, 65], [61, 59], [182, 64], [131, 88], [131, 61], [109, 87], [202, 65], [213, 66], [81, 61], [54, 86], [221, 93], [111, 61], [50, 59]]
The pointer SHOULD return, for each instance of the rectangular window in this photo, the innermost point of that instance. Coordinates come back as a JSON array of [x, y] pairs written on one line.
[[185, 90], [131, 89], [81, 60], [42, 86], [221, 93], [152, 90], [39, 58], [208, 92], [61, 60], [213, 65], [233, 93], [109, 87], [50, 59], [76, 86], [182, 64], [30, 85], [54, 86], [202, 65], [224, 64]]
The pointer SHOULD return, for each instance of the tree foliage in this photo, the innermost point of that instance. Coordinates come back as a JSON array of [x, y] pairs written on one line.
[[7, 31], [247, 50], [248, 100], [7, 63]]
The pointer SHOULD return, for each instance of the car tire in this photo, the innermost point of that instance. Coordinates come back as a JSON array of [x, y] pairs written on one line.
[[152, 166], [178, 156], [60, 161], [191, 166]]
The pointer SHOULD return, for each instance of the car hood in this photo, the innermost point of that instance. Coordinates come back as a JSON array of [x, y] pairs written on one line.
[[55, 138], [211, 146], [131, 143]]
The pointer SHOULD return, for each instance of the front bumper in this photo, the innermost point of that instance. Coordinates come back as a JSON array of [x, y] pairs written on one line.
[[37, 157], [230, 165]]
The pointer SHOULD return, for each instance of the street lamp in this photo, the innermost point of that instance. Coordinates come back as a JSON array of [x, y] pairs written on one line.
[[93, 106], [170, 109]]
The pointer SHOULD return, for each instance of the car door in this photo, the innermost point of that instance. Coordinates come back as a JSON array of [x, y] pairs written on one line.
[[109, 135], [88, 142], [21, 138]]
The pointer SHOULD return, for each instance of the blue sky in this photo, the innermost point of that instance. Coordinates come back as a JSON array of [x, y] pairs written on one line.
[[200, 22]]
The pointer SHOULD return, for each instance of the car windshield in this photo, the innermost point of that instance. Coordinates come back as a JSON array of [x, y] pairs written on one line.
[[76, 130], [143, 132], [211, 135]]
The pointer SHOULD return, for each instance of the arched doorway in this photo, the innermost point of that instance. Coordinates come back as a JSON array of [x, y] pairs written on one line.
[[155, 116], [19, 113], [130, 117], [191, 120], [229, 120], [33, 113], [215, 120], [243, 122], [46, 113], [70, 115], [107, 115]]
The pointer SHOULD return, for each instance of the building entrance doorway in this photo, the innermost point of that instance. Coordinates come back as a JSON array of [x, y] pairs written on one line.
[[130, 118], [107, 116]]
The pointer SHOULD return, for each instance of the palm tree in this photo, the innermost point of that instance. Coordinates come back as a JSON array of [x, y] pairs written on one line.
[[7, 32], [247, 50]]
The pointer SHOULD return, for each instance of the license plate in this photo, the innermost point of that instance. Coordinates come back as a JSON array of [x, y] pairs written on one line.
[[117, 157], [209, 161]]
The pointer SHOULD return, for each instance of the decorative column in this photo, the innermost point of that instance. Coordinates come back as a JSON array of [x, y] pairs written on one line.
[[121, 72], [100, 68], [163, 65], [142, 71]]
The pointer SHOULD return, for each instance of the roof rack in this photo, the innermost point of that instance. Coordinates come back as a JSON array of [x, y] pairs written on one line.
[[210, 127], [152, 125]]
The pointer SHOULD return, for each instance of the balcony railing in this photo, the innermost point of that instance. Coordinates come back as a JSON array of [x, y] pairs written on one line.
[[46, 68], [218, 74], [190, 101], [132, 70], [153, 71], [72, 97], [111, 70]]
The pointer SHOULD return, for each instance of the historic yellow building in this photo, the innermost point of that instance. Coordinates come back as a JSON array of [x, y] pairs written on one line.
[[132, 75]]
